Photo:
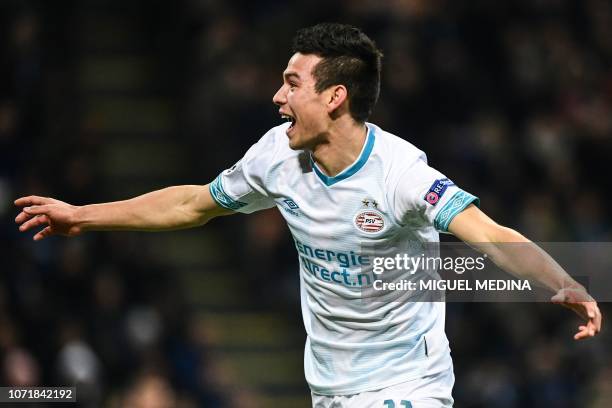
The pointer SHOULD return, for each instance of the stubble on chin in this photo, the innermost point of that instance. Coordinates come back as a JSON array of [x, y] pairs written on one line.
[[295, 146]]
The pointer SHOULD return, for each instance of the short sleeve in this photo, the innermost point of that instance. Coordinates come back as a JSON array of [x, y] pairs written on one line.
[[242, 187], [424, 196]]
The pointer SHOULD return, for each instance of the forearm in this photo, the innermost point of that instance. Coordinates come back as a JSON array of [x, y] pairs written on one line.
[[522, 258], [167, 209], [510, 250], [517, 255]]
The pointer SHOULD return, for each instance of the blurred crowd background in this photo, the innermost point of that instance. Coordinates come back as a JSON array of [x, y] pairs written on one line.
[[102, 100]]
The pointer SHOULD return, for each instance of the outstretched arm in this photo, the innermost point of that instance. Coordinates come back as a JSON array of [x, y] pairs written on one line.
[[171, 208], [527, 261]]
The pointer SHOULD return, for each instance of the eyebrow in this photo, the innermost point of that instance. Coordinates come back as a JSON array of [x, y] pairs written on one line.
[[288, 75]]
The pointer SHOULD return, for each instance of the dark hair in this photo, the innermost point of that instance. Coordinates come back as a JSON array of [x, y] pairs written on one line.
[[349, 58]]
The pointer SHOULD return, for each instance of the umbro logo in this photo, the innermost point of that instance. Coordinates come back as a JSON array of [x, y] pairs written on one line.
[[291, 207], [291, 204]]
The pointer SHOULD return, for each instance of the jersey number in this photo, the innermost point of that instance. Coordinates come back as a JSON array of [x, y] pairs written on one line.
[[403, 404]]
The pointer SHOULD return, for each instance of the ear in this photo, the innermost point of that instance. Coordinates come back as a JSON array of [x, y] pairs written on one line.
[[337, 95]]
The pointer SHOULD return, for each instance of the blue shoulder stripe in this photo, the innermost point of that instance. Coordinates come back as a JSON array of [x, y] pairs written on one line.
[[221, 197], [458, 202]]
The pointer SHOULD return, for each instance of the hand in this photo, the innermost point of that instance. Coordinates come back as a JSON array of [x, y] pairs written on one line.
[[578, 300], [58, 216]]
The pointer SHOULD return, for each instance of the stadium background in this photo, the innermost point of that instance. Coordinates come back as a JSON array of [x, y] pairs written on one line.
[[103, 100]]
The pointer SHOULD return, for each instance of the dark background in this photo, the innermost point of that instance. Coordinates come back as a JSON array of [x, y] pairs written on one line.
[[103, 100]]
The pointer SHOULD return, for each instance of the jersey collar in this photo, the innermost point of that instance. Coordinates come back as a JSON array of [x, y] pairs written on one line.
[[353, 168]]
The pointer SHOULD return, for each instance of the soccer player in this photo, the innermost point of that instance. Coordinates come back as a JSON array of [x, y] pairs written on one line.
[[341, 183]]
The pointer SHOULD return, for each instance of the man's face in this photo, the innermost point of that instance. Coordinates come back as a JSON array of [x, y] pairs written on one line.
[[301, 104]]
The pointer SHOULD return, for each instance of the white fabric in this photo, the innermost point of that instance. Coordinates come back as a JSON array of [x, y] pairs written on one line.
[[427, 392], [357, 339]]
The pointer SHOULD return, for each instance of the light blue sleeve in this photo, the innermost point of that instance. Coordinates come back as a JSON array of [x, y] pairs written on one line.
[[457, 203]]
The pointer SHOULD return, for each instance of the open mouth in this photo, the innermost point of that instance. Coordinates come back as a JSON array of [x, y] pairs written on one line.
[[290, 119]]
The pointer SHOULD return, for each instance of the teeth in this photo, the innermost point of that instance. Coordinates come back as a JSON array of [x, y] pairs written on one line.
[[288, 118]]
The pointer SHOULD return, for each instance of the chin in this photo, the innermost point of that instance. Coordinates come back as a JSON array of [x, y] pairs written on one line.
[[294, 141], [300, 141], [295, 145]]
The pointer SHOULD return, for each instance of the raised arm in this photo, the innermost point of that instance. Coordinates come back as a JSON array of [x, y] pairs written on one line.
[[168, 209], [526, 261]]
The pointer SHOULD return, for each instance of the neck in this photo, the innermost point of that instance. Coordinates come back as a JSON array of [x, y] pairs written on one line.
[[341, 147]]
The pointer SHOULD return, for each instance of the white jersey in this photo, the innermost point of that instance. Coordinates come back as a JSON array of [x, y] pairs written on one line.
[[389, 198]]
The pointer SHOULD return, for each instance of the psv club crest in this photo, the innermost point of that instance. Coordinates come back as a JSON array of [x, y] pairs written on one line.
[[369, 220]]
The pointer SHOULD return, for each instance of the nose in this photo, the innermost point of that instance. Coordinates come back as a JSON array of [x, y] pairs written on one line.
[[280, 97]]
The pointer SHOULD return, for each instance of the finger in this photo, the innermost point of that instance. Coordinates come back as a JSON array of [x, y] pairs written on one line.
[[594, 316], [32, 200], [592, 329], [44, 233], [36, 209], [557, 299], [589, 329], [23, 216], [34, 222], [597, 319], [583, 333]]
